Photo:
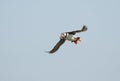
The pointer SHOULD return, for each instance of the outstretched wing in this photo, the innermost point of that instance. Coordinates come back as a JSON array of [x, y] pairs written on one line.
[[57, 46], [84, 28]]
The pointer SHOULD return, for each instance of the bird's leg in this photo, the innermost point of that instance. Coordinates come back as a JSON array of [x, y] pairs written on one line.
[[77, 40]]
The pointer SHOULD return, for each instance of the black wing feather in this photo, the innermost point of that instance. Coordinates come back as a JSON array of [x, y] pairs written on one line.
[[57, 46], [77, 31]]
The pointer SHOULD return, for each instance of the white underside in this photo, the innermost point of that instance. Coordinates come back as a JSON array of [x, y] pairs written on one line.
[[71, 38]]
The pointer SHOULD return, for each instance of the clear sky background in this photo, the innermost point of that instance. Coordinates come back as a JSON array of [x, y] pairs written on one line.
[[28, 28]]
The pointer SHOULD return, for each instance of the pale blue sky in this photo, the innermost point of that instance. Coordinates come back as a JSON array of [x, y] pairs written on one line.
[[28, 28]]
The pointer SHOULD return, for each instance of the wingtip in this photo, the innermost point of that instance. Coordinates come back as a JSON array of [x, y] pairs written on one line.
[[48, 52], [84, 28]]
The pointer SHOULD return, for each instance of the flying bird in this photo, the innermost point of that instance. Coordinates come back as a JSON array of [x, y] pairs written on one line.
[[70, 36]]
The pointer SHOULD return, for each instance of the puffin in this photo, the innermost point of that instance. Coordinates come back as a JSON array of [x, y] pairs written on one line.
[[69, 36]]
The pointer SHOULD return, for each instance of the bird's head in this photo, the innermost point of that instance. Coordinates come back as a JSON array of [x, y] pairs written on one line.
[[63, 35]]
